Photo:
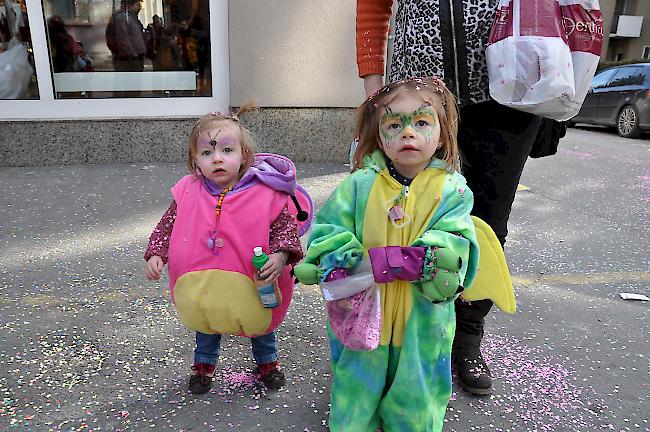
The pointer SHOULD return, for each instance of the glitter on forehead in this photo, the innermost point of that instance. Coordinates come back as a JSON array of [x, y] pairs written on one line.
[[429, 83]]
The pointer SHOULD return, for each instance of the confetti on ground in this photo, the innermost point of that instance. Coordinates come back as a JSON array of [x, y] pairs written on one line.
[[87, 344], [542, 393]]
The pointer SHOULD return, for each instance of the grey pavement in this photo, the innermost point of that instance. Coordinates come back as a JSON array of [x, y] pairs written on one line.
[[88, 344]]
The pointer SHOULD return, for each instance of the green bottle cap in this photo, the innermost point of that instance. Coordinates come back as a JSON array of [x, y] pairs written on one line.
[[259, 257]]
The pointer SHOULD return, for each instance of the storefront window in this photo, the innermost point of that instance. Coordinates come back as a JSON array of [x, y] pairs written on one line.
[[129, 48], [17, 71]]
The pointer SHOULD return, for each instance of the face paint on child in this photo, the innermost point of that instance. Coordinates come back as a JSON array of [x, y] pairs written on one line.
[[422, 121], [409, 133], [204, 141], [219, 154]]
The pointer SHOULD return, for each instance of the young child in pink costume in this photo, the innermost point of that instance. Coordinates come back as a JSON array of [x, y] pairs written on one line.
[[232, 201]]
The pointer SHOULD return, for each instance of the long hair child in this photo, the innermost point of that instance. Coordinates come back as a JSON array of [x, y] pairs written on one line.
[[406, 210]]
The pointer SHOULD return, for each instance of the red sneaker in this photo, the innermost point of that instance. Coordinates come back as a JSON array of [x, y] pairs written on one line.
[[272, 376], [201, 378]]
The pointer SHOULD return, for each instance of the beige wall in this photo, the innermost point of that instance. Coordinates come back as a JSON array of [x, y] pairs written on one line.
[[293, 53], [630, 48], [635, 48], [607, 9]]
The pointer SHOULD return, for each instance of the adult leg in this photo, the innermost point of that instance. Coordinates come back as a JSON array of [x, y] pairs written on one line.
[[495, 142]]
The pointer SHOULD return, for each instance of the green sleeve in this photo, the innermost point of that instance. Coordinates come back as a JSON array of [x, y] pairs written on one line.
[[333, 242], [452, 228]]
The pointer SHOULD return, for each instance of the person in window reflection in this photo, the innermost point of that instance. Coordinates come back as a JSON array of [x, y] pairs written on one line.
[[63, 47], [203, 47], [84, 63], [126, 38], [160, 41], [152, 38], [170, 52], [187, 42]]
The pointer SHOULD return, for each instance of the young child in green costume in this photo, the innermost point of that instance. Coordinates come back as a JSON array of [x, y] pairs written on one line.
[[406, 209]]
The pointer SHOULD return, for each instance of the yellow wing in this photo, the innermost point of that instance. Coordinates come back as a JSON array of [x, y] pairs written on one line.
[[493, 278]]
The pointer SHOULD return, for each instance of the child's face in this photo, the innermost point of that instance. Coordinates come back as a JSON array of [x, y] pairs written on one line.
[[219, 154], [409, 132]]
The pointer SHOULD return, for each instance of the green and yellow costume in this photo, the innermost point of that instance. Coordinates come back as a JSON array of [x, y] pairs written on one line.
[[404, 384]]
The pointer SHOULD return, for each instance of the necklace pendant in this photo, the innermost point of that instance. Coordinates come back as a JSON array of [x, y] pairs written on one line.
[[214, 242], [396, 213]]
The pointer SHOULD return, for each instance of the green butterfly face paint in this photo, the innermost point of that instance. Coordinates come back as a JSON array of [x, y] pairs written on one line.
[[409, 132], [421, 121]]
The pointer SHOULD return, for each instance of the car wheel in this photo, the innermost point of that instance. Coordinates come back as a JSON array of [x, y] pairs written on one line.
[[627, 123]]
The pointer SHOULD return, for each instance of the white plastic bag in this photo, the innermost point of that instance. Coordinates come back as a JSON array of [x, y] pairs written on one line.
[[15, 71], [360, 279], [346, 287], [542, 55]]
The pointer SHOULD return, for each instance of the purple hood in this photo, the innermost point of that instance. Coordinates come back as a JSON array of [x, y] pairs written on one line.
[[278, 173], [275, 171]]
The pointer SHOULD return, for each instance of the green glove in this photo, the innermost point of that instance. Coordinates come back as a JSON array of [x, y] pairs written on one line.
[[308, 274], [440, 278], [447, 259], [441, 286]]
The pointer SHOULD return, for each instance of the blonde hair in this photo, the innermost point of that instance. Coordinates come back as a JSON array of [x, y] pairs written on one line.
[[432, 90], [208, 122]]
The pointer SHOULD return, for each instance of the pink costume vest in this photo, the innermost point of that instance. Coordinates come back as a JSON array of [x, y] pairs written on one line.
[[215, 293]]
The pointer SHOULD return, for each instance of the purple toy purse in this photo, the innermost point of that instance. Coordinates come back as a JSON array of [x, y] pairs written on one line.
[[396, 262]]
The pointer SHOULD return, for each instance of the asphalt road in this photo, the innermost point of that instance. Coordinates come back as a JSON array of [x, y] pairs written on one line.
[[88, 344]]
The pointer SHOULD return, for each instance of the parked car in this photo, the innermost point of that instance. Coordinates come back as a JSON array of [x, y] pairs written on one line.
[[619, 97]]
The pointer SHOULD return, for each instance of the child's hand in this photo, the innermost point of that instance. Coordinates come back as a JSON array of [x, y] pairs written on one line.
[[153, 268], [272, 270]]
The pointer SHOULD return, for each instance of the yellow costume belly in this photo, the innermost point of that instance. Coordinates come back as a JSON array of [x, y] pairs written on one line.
[[218, 301]]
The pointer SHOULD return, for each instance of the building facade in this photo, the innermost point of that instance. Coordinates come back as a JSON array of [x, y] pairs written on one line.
[[626, 30], [124, 80], [98, 81]]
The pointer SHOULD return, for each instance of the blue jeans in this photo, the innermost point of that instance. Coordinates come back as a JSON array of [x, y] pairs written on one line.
[[208, 347]]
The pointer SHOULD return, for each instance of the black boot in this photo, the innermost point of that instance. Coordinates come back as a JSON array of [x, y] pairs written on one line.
[[473, 374]]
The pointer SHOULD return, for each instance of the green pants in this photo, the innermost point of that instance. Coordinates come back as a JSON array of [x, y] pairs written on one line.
[[403, 388]]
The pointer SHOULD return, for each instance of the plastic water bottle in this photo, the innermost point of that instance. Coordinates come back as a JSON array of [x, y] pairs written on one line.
[[269, 292]]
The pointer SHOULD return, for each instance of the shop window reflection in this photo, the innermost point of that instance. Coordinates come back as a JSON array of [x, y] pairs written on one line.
[[17, 72], [129, 48]]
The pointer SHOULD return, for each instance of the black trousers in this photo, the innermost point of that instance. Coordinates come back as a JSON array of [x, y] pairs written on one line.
[[495, 142]]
